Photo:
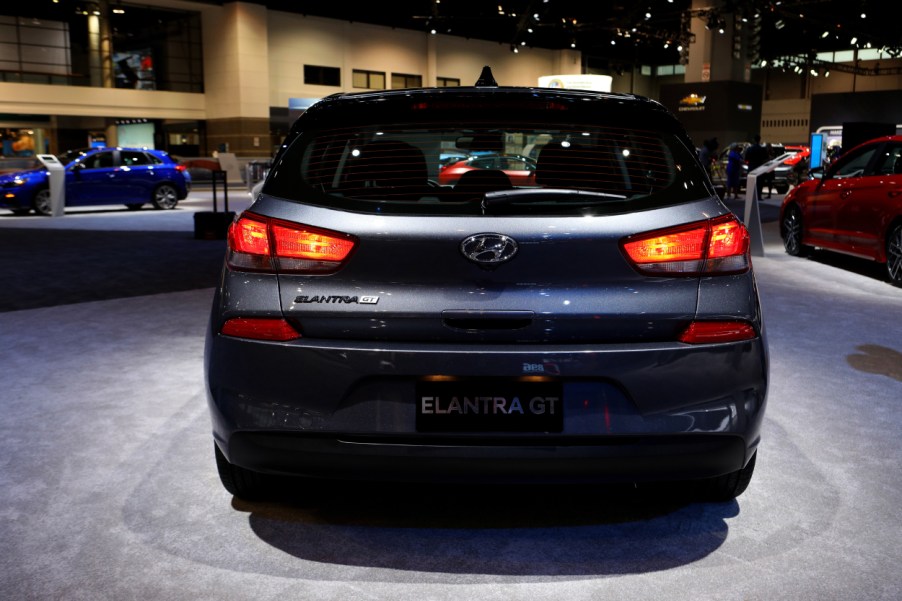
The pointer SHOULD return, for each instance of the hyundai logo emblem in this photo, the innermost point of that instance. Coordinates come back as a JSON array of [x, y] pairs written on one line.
[[489, 250]]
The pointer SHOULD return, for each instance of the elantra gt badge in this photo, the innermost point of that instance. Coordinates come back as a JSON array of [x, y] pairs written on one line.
[[489, 250], [336, 300]]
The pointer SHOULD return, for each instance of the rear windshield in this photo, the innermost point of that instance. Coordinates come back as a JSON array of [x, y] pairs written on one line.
[[496, 167]]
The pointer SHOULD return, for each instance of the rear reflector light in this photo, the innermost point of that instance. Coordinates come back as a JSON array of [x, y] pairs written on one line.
[[701, 332], [714, 246], [258, 243], [260, 328]]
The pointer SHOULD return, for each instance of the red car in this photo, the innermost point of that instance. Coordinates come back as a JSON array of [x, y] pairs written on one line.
[[855, 207], [521, 170]]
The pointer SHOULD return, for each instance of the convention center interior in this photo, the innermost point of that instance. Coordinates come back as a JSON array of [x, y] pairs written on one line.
[[227, 330]]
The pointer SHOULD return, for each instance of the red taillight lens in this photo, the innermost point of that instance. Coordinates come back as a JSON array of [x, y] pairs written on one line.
[[701, 332], [260, 244], [180, 167], [260, 328], [715, 246]]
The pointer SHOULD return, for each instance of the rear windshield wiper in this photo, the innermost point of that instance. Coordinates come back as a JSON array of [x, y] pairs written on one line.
[[551, 196]]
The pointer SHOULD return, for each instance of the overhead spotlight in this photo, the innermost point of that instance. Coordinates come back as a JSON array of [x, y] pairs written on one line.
[[825, 34], [827, 73], [573, 44], [647, 16], [813, 72], [613, 42], [432, 31], [523, 43], [780, 24], [854, 41], [864, 15], [515, 50], [763, 62]]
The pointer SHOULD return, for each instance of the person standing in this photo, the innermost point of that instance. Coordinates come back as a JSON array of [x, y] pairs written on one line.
[[755, 156], [734, 170]]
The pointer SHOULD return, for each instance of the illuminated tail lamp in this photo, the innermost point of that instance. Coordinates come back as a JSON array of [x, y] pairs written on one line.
[[258, 243], [717, 246], [709, 332], [181, 167], [260, 328]]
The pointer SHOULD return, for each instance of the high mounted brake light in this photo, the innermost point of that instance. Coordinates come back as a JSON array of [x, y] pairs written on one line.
[[258, 243], [712, 247]]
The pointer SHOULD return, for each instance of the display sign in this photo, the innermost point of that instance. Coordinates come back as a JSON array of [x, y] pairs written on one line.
[[817, 151], [56, 175], [597, 83]]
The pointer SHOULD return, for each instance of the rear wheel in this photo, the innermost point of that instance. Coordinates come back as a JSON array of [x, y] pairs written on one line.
[[41, 202], [894, 255], [243, 483], [791, 232], [165, 197], [729, 486]]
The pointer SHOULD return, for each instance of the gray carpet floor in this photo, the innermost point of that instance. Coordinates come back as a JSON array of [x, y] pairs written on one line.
[[108, 488]]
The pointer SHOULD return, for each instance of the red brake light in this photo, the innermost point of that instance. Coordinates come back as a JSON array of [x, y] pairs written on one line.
[[260, 328], [180, 167], [258, 243], [714, 246], [700, 332]]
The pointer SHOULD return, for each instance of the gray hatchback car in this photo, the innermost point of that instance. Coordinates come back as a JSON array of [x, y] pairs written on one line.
[[599, 325]]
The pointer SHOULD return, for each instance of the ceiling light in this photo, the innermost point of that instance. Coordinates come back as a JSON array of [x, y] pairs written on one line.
[[825, 34], [854, 41], [864, 15]]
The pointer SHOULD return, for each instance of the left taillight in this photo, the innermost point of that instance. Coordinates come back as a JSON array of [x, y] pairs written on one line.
[[260, 328], [711, 247], [258, 243], [180, 167]]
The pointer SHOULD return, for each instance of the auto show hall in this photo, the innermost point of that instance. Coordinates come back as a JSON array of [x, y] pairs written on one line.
[[108, 486]]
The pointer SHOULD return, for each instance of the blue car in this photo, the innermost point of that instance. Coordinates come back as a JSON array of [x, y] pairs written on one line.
[[101, 176]]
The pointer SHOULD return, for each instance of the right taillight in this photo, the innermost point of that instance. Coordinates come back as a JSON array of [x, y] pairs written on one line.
[[710, 247], [258, 243]]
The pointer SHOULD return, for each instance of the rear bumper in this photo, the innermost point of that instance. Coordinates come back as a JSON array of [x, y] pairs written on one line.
[[617, 459], [663, 412]]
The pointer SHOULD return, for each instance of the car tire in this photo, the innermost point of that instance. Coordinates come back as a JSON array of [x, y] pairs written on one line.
[[134, 206], [729, 486], [240, 482], [165, 196], [41, 202], [894, 255], [791, 232]]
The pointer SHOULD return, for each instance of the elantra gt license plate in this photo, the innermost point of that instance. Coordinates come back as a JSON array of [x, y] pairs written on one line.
[[489, 405]]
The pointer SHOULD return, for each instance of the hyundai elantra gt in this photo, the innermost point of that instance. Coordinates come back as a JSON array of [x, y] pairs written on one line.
[[601, 324]]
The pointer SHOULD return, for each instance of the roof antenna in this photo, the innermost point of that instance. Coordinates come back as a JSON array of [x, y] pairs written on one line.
[[486, 79]]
